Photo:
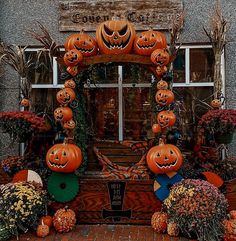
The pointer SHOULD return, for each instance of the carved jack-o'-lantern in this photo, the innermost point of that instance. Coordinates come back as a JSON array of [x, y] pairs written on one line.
[[161, 70], [166, 118], [216, 103], [72, 70], [83, 42], [63, 114], [146, 42], [64, 157], [164, 158], [72, 57], [164, 97], [160, 57], [70, 84], [115, 37], [162, 85], [69, 125], [65, 96], [25, 102]]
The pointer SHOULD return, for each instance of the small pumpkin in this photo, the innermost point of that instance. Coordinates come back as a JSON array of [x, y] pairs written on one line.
[[161, 70], [159, 222], [172, 229], [232, 214], [64, 220], [64, 157], [162, 85], [166, 118], [72, 70], [65, 96], [42, 230], [164, 97], [63, 114], [25, 102], [115, 37], [146, 42], [70, 83], [82, 42], [216, 103], [156, 128], [160, 57], [164, 158], [69, 125], [46, 220], [72, 57]]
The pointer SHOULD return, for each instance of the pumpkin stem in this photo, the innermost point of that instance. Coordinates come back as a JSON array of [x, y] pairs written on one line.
[[65, 140], [161, 142], [82, 30]]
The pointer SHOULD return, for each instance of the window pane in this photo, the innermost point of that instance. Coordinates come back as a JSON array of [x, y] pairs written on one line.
[[201, 65], [40, 72], [137, 113], [136, 74], [103, 112], [179, 67]]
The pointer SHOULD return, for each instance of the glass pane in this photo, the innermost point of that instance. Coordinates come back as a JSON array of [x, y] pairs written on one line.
[[190, 104], [44, 100], [136, 74], [201, 65], [179, 67], [40, 72], [137, 114], [102, 107]]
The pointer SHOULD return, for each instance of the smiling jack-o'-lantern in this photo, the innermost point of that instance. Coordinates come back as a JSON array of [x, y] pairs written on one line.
[[69, 125], [160, 57], [64, 157], [70, 83], [146, 42], [166, 118], [72, 57], [63, 114], [162, 85], [82, 42], [65, 96], [164, 158], [72, 70], [115, 37], [161, 70], [216, 103], [164, 97], [25, 102]]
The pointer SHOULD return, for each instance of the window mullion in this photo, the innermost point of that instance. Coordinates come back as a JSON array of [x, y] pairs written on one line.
[[187, 66], [55, 71]]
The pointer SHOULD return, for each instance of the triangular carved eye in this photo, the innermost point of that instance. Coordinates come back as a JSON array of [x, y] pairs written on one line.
[[123, 30], [107, 30], [158, 154], [64, 153]]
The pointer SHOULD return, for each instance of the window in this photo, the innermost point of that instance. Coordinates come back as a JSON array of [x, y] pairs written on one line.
[[120, 106]]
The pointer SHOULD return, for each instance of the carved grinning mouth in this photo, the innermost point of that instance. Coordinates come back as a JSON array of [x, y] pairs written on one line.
[[52, 164], [66, 100], [145, 46], [84, 50], [166, 165], [117, 46], [72, 59]]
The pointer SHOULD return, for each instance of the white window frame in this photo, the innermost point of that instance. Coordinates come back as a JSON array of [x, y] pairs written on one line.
[[120, 85]]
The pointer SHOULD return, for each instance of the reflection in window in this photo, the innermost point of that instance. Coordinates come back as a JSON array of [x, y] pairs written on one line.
[[179, 67]]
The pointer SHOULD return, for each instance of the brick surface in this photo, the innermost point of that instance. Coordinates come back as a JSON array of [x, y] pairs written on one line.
[[103, 233]]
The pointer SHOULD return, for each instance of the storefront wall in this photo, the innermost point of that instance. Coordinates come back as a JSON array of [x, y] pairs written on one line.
[[17, 17]]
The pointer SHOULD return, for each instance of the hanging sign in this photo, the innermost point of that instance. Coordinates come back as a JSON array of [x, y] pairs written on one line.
[[155, 14]]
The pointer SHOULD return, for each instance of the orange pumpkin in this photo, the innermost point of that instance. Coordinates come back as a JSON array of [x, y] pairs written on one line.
[[70, 84], [65, 96], [166, 118], [69, 125], [64, 220], [64, 157], [115, 37], [232, 214], [146, 42], [72, 57], [156, 128], [72, 70], [63, 114], [160, 57], [161, 70], [162, 85], [216, 103], [25, 102], [82, 42], [42, 230], [164, 158], [46, 220], [159, 222], [164, 97]]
